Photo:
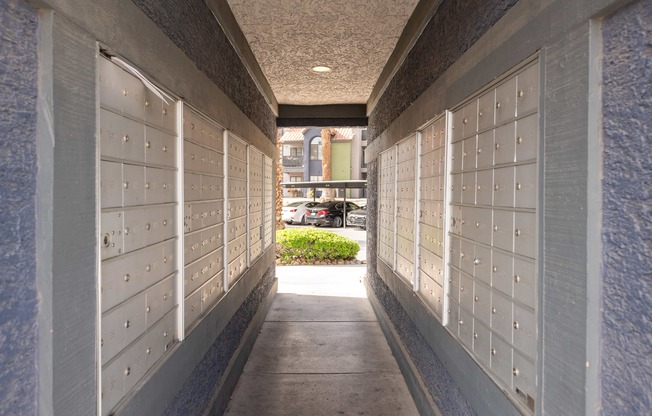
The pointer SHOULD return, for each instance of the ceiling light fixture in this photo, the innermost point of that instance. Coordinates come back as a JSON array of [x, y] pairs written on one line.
[[322, 68]]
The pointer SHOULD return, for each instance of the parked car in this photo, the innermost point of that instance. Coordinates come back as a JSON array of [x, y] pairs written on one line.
[[329, 213], [295, 212], [357, 218]]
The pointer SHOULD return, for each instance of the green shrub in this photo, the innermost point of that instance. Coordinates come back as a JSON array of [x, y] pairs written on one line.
[[313, 245]]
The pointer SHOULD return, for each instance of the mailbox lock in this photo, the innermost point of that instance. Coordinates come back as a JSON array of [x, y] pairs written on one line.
[[517, 232], [165, 222], [477, 224], [519, 140], [461, 288], [165, 334], [520, 93], [125, 92], [495, 228], [479, 151], [148, 226], [497, 146], [148, 309], [106, 240], [146, 103], [493, 310], [496, 187], [516, 325], [493, 351], [126, 185], [515, 371], [165, 148], [517, 278], [498, 104], [148, 268], [466, 120], [475, 335], [461, 322], [126, 277], [477, 298], [125, 138], [518, 186], [165, 259], [127, 371], [127, 324], [148, 350], [165, 111], [495, 269], [147, 185], [165, 297]]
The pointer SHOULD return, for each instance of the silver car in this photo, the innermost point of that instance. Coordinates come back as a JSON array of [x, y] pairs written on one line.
[[295, 212]]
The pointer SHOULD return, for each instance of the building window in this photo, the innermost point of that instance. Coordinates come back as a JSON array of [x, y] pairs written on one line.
[[315, 149], [295, 178], [316, 178], [296, 151]]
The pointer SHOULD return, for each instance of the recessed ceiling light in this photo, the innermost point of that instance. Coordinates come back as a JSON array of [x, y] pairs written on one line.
[[321, 68]]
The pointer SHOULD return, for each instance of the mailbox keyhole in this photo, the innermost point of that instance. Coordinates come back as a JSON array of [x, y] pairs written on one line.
[[106, 240]]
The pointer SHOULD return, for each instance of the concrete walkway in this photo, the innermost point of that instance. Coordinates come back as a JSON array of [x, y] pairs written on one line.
[[321, 352]]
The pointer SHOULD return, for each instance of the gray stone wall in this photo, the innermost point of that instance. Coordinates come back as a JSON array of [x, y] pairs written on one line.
[[190, 24], [627, 212], [454, 28], [18, 170]]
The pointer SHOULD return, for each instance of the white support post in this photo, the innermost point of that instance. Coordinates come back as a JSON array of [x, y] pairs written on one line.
[[180, 296]]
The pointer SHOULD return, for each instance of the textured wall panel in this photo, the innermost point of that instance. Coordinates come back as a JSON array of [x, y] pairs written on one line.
[[289, 37], [193, 28], [454, 28], [18, 302], [627, 226]]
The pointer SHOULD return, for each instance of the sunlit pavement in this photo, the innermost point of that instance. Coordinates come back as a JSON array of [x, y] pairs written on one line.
[[321, 351]]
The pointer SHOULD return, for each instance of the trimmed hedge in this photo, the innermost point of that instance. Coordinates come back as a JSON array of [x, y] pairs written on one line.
[[312, 245]]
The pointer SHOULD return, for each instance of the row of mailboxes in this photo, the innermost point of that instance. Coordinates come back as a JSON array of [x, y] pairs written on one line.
[[123, 185], [404, 267], [121, 374], [513, 276], [432, 188], [236, 268], [386, 253], [126, 322], [202, 160], [236, 228], [432, 292], [138, 229], [125, 94], [514, 98], [202, 214], [406, 190], [432, 265], [512, 231], [237, 168], [125, 276], [202, 242], [431, 213], [513, 322], [407, 149], [515, 142], [432, 163], [200, 301], [431, 239], [200, 187], [405, 247], [406, 170], [198, 272], [490, 221], [503, 187], [203, 132], [433, 137], [237, 149], [405, 227], [513, 368], [126, 139], [124, 231]]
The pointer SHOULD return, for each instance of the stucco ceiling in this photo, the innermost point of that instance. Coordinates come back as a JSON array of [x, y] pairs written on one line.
[[353, 37]]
